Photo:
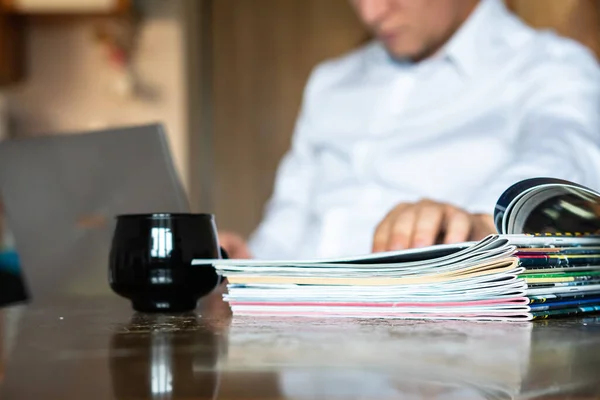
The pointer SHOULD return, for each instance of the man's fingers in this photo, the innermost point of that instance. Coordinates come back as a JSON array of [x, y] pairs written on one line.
[[422, 224], [243, 252], [234, 245], [481, 226], [402, 229], [384, 229], [458, 226], [381, 234], [428, 224]]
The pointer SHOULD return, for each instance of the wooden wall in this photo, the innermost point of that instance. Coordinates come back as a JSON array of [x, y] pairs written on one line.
[[578, 19], [262, 52]]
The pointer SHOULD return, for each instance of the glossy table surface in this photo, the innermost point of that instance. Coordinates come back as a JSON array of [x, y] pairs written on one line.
[[98, 348]]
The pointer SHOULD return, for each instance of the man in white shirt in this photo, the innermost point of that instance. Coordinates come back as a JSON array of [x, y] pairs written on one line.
[[452, 103]]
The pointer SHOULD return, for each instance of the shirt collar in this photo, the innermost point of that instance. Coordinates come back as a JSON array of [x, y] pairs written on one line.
[[467, 46]]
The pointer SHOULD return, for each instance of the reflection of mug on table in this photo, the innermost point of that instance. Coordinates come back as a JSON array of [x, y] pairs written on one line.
[[160, 356]]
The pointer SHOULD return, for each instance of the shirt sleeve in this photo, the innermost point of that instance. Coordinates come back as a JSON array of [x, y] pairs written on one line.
[[286, 215], [559, 128]]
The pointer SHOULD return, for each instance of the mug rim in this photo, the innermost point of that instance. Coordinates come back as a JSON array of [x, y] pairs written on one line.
[[165, 215]]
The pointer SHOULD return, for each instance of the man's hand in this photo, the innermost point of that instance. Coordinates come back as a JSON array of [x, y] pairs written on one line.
[[234, 245], [426, 223]]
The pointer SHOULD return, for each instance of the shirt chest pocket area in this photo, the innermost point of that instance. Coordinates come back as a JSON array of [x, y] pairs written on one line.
[[440, 164], [338, 125]]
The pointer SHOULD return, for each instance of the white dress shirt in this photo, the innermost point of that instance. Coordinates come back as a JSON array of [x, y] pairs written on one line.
[[499, 103]]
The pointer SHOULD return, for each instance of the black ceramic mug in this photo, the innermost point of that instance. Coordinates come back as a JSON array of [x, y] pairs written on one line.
[[151, 260]]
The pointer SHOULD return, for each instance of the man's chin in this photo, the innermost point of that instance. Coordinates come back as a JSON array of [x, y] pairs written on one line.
[[412, 53], [401, 53]]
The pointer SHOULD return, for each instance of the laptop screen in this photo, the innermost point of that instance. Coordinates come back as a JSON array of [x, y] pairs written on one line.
[[61, 194]]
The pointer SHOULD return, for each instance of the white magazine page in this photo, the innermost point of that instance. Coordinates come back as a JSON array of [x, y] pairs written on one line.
[[426, 255]]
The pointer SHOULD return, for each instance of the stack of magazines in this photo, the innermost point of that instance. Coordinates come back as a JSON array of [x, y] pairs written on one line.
[[542, 263], [561, 281]]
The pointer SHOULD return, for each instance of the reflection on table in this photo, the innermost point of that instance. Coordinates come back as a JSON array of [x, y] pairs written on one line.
[[99, 349]]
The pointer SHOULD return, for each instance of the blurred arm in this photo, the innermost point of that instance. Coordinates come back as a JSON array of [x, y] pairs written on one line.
[[559, 135], [287, 212]]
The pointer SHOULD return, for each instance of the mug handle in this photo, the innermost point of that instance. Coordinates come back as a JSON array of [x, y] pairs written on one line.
[[224, 254]]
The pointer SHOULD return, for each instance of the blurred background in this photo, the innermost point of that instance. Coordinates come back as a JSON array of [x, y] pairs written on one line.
[[224, 76]]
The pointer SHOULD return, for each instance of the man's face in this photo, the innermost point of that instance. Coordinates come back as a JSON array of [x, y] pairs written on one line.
[[413, 29]]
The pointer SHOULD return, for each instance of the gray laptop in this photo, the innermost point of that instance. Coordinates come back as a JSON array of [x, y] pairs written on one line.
[[61, 194]]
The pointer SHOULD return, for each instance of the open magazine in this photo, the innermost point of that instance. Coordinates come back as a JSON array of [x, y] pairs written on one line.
[[544, 261], [542, 212], [548, 206]]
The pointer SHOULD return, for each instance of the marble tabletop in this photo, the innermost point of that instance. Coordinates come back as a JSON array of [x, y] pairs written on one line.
[[96, 347]]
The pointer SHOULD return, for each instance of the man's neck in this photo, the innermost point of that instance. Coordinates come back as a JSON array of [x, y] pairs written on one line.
[[464, 11]]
